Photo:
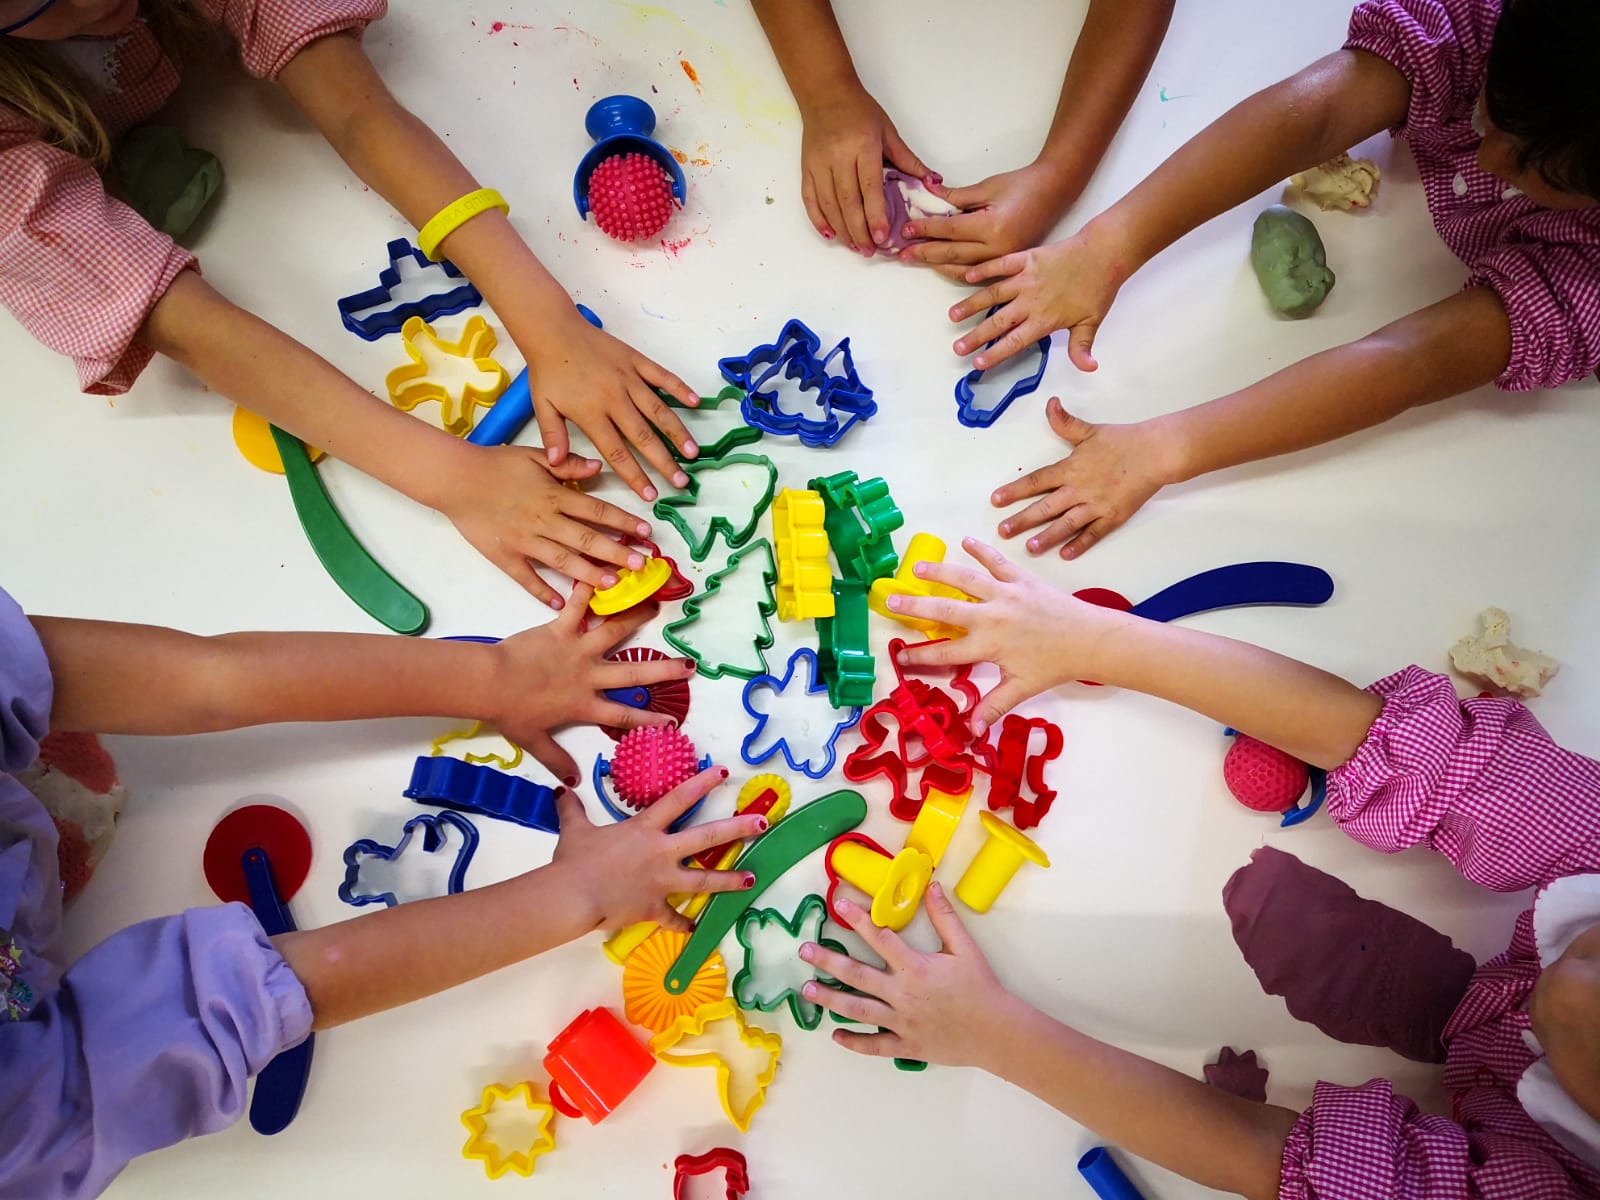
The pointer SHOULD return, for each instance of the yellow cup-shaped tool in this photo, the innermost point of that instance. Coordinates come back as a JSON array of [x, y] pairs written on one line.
[[895, 884], [936, 823], [1003, 852]]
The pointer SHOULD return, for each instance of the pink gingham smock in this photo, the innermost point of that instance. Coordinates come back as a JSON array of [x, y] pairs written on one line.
[[80, 269], [1544, 264], [1480, 782]]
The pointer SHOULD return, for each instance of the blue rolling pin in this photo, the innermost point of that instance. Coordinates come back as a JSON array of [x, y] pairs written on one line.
[[501, 424], [1105, 1177]]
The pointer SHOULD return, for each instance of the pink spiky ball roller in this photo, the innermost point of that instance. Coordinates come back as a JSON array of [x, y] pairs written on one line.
[[649, 762], [631, 197], [1262, 777]]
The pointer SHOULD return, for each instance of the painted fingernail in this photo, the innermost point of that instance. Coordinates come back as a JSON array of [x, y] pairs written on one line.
[[761, 824], [650, 493], [607, 581], [724, 772], [571, 781], [827, 233], [680, 480], [688, 664], [910, 231], [934, 177], [749, 882]]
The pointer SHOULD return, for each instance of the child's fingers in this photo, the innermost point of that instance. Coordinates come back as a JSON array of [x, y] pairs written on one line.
[[571, 467], [1010, 312], [957, 227], [549, 752], [696, 838], [873, 1045], [693, 882], [885, 943], [867, 1009], [1080, 345], [670, 918], [952, 652], [997, 703], [620, 716], [521, 570], [610, 633], [952, 930], [682, 798], [954, 256], [570, 619], [850, 971], [552, 431], [870, 177], [658, 376], [639, 429], [642, 674], [1087, 538], [1040, 512], [902, 156], [1005, 265], [608, 441], [976, 583], [933, 608], [558, 551], [1022, 335], [808, 197], [828, 199], [847, 187], [595, 512], [1063, 529], [997, 564], [570, 811]]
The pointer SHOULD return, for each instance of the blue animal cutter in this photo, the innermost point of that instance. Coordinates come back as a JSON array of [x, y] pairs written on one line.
[[392, 319], [833, 377], [755, 753], [968, 411], [436, 839], [483, 791]]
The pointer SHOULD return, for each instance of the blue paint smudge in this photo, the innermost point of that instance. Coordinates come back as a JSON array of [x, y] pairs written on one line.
[[1166, 99]]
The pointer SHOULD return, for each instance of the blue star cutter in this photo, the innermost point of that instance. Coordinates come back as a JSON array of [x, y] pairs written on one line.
[[436, 829], [483, 791], [391, 319], [968, 411], [820, 761]]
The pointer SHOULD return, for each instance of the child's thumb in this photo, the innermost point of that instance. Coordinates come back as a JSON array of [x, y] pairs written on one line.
[[1081, 343], [1068, 427], [570, 810]]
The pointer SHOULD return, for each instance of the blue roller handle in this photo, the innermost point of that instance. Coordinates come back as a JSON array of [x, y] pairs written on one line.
[[509, 414], [1236, 586], [1105, 1177], [281, 1085]]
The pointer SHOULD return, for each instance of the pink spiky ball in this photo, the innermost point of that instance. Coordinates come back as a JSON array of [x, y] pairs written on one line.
[[1262, 777], [649, 762], [631, 197]]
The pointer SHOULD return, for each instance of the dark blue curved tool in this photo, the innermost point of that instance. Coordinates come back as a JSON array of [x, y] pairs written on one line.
[[1235, 586], [281, 1085]]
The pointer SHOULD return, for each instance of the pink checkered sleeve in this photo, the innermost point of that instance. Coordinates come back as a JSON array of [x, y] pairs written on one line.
[[271, 32], [1479, 781], [1366, 1143], [1551, 294], [1438, 45], [80, 270]]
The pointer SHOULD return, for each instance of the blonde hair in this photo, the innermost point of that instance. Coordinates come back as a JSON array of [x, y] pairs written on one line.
[[38, 83]]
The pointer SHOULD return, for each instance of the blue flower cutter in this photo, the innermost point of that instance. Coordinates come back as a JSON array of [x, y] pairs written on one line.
[[751, 750]]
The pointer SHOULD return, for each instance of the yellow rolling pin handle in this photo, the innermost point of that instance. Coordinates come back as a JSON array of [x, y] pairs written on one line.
[[924, 547], [936, 823], [1002, 855]]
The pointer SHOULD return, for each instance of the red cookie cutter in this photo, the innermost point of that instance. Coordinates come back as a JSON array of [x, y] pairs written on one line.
[[1012, 766], [930, 718], [686, 1166]]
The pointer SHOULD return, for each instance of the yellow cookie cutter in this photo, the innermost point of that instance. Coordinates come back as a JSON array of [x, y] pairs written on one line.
[[481, 1145], [741, 1089], [645, 999], [631, 587], [800, 542], [924, 547], [411, 384], [1001, 856], [466, 735]]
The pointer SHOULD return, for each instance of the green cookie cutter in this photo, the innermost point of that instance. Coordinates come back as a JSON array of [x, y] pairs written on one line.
[[844, 659], [806, 829], [345, 559], [765, 609], [752, 987], [670, 508], [859, 516], [740, 435]]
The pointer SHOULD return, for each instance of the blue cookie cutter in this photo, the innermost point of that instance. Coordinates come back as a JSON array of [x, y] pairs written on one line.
[[432, 839], [618, 812], [814, 687], [795, 356], [514, 409], [967, 410], [483, 791], [390, 320], [621, 125]]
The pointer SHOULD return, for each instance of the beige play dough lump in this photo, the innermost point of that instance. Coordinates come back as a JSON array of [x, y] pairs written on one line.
[[1341, 182], [1493, 658]]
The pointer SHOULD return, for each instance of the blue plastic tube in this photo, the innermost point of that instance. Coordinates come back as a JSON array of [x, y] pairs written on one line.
[[1105, 1177], [514, 409]]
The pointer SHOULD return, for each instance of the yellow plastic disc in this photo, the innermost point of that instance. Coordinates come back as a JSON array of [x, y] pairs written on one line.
[[253, 435], [645, 999]]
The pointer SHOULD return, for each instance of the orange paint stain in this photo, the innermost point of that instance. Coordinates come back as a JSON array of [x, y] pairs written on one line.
[[688, 69], [678, 154]]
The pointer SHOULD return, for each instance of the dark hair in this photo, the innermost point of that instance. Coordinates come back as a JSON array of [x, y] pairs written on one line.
[[1541, 89]]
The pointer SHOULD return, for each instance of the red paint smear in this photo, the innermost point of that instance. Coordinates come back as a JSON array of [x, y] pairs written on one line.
[[688, 69], [673, 249]]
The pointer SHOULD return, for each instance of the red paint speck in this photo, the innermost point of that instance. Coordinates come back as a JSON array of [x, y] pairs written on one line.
[[674, 249], [688, 69], [497, 27]]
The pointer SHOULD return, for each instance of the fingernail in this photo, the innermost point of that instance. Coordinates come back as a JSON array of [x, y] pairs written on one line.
[[749, 882], [1005, 526], [761, 824], [809, 991], [979, 728], [935, 889], [961, 347], [635, 562], [688, 664], [878, 236], [934, 177], [971, 541], [845, 906], [807, 950], [724, 771], [894, 603], [558, 604], [920, 568], [690, 447], [642, 529], [980, 362], [828, 233], [571, 781], [909, 231], [1033, 545], [650, 493], [607, 581], [680, 480]]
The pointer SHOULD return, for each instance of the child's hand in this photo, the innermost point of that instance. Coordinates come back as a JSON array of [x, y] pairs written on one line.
[[509, 503], [1111, 472], [1063, 285], [607, 389], [553, 676], [842, 151], [629, 868], [1038, 637], [1004, 213], [939, 1008]]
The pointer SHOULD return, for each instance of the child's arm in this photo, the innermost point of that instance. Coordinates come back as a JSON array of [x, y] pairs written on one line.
[[1478, 781], [1330, 106], [526, 686], [847, 137], [576, 371], [1433, 354], [507, 501], [1016, 209], [949, 1008]]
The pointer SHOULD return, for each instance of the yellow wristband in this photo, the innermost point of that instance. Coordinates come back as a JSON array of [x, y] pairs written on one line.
[[453, 216]]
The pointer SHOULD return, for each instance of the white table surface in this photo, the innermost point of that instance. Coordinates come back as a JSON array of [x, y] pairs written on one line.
[[141, 510]]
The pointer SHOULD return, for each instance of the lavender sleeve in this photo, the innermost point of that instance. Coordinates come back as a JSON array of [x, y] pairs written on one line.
[[147, 1039]]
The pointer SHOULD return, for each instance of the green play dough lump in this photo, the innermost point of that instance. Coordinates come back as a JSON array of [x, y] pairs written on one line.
[[1289, 261], [165, 180]]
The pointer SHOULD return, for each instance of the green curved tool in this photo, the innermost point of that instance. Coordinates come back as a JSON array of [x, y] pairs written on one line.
[[807, 828], [346, 560]]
